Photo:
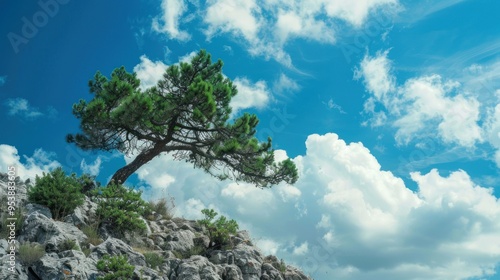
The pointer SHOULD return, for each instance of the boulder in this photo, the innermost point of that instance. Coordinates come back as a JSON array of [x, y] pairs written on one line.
[[181, 241], [39, 228], [33, 207], [65, 265], [249, 259], [83, 214], [114, 247], [198, 267]]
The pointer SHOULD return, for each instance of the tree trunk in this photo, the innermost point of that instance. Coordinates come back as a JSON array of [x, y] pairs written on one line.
[[122, 174]]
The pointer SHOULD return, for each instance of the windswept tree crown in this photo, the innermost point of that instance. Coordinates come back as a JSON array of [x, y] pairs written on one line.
[[186, 114]]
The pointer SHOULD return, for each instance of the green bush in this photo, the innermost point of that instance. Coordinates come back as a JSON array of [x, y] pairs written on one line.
[[154, 260], [120, 206], [29, 253], [115, 268], [60, 193], [88, 183], [68, 244], [219, 230], [92, 235]]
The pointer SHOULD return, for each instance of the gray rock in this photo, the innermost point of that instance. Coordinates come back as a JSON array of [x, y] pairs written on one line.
[[41, 229], [269, 272], [232, 272], [10, 267], [146, 273], [181, 241], [198, 268], [66, 265], [114, 247], [249, 259], [83, 214], [167, 236], [33, 208], [293, 273], [21, 189]]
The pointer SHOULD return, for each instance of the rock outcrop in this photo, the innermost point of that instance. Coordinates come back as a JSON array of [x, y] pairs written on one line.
[[182, 246]]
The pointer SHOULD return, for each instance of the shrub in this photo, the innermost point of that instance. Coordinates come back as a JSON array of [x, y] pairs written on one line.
[[68, 244], [29, 253], [162, 207], [86, 250], [154, 260], [115, 268], [218, 230], [92, 235], [193, 251], [282, 266], [60, 193], [88, 183], [121, 207]]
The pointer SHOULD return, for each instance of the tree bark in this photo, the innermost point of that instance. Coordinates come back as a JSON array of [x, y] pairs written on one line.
[[122, 174]]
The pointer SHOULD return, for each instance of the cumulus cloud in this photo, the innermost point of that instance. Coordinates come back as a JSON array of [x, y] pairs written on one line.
[[149, 72], [236, 17], [374, 227], [169, 21], [422, 106], [250, 95], [27, 167], [361, 222], [267, 26]]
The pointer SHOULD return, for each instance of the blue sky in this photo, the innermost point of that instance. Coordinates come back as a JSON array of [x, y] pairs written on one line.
[[389, 108]]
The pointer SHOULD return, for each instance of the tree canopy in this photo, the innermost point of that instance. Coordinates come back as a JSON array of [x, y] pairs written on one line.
[[187, 114]]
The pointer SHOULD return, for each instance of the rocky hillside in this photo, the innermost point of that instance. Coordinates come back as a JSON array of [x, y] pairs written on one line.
[[171, 248]]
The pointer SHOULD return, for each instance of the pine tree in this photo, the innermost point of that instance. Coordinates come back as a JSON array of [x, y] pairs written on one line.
[[187, 114]]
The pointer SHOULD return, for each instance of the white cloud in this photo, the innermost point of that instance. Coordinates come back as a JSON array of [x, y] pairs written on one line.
[[290, 24], [29, 167], [401, 234], [149, 72], [285, 84], [21, 108], [377, 75], [92, 169], [169, 21], [188, 57], [268, 246], [3, 80], [362, 222], [267, 26], [301, 250], [334, 106], [424, 105], [235, 17], [250, 95]]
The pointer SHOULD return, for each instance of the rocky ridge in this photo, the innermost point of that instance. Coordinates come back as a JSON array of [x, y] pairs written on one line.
[[181, 243]]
